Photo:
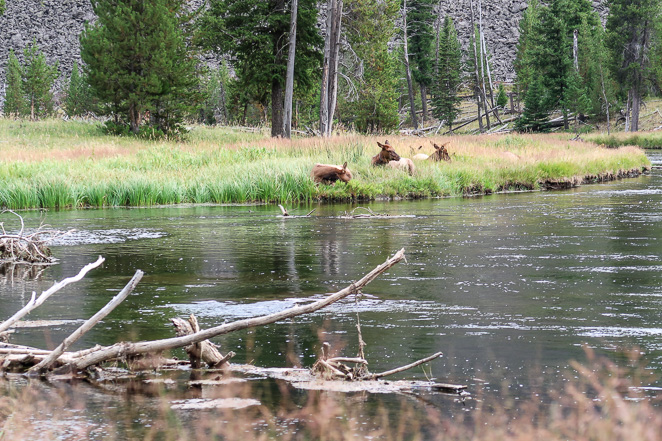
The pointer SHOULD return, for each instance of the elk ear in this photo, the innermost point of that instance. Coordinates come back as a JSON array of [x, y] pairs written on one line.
[[381, 145], [436, 147], [344, 166]]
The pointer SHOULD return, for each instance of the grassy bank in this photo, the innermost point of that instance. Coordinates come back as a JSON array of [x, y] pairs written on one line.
[[645, 140], [56, 164]]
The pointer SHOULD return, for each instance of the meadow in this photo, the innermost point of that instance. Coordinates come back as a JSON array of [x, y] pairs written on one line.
[[58, 164]]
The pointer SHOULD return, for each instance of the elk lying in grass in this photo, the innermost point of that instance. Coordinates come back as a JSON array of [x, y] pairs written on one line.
[[389, 157], [329, 174], [440, 154]]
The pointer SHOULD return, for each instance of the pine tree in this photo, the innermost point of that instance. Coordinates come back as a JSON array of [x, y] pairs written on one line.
[[502, 98], [445, 93], [420, 18], [535, 116], [38, 80], [630, 28], [79, 98], [374, 103], [138, 64], [552, 47], [523, 64], [14, 97], [255, 34]]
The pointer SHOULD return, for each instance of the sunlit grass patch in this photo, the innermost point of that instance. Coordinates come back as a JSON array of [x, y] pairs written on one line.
[[56, 164]]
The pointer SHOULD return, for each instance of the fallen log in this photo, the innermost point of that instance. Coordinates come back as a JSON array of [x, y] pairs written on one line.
[[96, 318], [124, 349], [35, 302], [204, 351]]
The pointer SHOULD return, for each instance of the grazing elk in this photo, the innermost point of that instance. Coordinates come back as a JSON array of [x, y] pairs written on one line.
[[389, 157], [329, 174]]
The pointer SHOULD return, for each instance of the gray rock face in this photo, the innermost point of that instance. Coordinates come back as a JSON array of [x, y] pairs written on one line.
[[57, 24]]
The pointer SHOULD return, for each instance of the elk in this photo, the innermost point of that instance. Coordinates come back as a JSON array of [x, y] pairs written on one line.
[[329, 174], [389, 157], [440, 153]]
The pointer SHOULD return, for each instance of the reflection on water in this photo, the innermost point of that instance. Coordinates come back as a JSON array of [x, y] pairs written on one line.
[[504, 285]]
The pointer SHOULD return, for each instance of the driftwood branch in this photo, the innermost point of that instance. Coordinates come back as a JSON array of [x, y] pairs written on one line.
[[201, 351], [89, 324], [35, 302], [132, 349], [401, 368]]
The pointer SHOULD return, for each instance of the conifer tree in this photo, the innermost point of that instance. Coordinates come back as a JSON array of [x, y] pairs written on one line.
[[255, 33], [79, 98], [553, 47], [370, 26], [137, 62], [445, 93], [502, 98], [535, 116], [524, 61], [14, 97], [420, 19], [38, 80], [630, 28]]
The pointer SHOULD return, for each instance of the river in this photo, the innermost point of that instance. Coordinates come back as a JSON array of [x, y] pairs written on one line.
[[510, 287]]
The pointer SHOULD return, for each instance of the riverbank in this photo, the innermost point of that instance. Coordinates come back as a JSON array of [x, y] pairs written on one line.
[[57, 164]]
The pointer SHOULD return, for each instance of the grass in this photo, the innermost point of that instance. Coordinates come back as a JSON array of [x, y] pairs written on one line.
[[645, 140], [56, 164]]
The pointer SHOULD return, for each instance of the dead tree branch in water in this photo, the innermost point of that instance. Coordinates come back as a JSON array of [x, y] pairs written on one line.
[[35, 302]]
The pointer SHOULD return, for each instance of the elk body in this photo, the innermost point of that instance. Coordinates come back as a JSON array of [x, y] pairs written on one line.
[[329, 174], [389, 157]]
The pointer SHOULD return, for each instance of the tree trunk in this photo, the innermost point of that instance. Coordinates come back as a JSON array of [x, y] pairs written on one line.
[[289, 81], [424, 103], [277, 102], [333, 64], [324, 88], [636, 103], [410, 86]]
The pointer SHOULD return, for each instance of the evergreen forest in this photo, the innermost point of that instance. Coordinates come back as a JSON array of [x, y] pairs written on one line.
[[297, 66]]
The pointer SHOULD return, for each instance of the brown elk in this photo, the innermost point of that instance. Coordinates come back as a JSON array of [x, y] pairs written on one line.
[[329, 174], [440, 153], [389, 157]]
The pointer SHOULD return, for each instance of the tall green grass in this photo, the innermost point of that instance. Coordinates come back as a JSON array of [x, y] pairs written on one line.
[[61, 165], [647, 140]]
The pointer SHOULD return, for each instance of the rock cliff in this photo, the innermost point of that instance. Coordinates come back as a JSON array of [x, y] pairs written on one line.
[[56, 25]]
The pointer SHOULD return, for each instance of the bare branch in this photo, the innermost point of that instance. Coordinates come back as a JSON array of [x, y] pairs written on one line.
[[132, 349], [34, 303], [96, 318]]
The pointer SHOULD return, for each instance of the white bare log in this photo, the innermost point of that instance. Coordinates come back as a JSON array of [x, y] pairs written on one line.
[[402, 368], [89, 324], [35, 302], [131, 349]]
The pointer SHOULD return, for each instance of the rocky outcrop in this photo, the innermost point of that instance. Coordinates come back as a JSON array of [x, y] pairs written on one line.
[[56, 24]]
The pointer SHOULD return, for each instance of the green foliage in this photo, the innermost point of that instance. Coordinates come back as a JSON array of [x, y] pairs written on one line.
[[79, 99], [630, 31], [445, 91], [38, 80], [420, 18], [15, 104], [551, 47], [369, 27], [535, 115], [524, 60], [214, 108], [255, 33], [138, 63], [2, 7], [502, 98], [594, 69]]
